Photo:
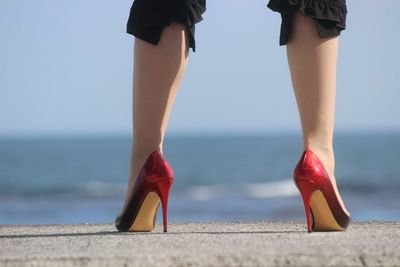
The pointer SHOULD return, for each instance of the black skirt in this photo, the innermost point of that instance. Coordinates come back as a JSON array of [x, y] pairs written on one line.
[[148, 18]]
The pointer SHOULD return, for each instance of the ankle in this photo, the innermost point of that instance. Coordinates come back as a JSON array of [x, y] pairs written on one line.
[[138, 157], [143, 151]]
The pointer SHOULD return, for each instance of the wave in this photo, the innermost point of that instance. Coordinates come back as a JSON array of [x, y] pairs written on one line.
[[101, 189], [273, 189], [284, 188]]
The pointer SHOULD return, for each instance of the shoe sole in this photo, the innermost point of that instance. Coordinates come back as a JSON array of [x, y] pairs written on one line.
[[322, 215], [146, 217]]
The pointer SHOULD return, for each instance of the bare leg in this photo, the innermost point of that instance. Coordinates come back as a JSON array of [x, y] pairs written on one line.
[[158, 71], [312, 63]]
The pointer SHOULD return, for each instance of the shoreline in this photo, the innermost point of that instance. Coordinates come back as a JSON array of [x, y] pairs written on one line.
[[257, 243]]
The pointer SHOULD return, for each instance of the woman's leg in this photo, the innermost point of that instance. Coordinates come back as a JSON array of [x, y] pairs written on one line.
[[312, 63], [158, 71]]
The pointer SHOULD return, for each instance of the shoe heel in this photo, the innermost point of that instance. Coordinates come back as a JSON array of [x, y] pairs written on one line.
[[306, 189], [162, 189]]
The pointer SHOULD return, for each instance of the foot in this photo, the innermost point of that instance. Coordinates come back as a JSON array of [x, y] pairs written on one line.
[[137, 160], [328, 160]]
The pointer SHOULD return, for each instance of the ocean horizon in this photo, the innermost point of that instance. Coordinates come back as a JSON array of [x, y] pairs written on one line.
[[218, 177]]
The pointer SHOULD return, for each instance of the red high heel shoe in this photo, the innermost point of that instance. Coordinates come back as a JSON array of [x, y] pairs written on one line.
[[324, 211], [152, 186]]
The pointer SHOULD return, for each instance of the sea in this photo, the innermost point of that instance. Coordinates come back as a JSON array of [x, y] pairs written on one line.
[[218, 177]]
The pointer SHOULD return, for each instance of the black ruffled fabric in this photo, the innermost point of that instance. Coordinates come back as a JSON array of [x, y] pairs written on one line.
[[329, 15], [147, 18]]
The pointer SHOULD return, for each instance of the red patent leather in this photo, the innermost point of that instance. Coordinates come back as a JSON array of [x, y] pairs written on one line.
[[310, 175], [155, 176]]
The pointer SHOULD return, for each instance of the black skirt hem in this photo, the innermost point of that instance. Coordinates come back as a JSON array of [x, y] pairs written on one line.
[[329, 16], [148, 18]]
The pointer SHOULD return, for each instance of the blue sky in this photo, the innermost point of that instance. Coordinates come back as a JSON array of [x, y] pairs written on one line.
[[66, 68]]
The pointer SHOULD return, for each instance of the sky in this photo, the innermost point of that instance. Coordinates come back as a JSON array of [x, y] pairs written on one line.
[[66, 69]]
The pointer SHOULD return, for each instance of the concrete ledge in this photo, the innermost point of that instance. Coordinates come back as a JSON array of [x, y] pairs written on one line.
[[201, 244]]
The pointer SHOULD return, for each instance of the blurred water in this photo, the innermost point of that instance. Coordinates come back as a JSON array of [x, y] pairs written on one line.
[[217, 177]]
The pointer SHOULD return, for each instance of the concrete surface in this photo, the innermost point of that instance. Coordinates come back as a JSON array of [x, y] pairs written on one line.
[[201, 244]]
